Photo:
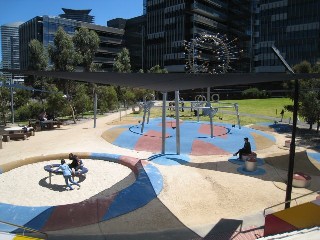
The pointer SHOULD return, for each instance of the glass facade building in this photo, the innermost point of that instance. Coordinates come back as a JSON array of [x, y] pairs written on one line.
[[44, 28], [171, 23], [10, 49], [292, 26]]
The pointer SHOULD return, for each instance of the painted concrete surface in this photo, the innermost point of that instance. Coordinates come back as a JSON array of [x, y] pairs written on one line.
[[147, 186], [195, 138]]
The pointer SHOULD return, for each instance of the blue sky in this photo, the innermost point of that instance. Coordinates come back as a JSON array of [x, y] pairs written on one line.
[[103, 10]]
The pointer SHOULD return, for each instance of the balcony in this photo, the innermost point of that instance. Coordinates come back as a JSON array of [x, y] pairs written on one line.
[[110, 40]]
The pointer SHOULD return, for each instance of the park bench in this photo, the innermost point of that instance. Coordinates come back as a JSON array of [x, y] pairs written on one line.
[[8, 136], [43, 125]]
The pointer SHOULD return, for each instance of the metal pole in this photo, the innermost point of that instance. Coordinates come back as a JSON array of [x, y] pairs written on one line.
[[164, 125], [293, 144], [12, 109], [95, 104], [11, 82], [177, 122]]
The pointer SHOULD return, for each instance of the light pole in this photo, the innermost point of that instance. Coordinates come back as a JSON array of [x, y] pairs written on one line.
[[11, 82]]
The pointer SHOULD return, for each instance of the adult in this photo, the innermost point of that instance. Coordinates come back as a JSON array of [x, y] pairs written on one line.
[[76, 164], [66, 171], [281, 113], [245, 150], [43, 116]]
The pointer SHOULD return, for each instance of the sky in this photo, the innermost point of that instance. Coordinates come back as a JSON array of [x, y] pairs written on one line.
[[103, 10]]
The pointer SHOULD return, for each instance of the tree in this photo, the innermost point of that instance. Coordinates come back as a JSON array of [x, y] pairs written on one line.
[[107, 98], [122, 65], [38, 61], [57, 103], [309, 101], [122, 62], [65, 58], [86, 44], [81, 99], [63, 54], [38, 56], [4, 101], [157, 69]]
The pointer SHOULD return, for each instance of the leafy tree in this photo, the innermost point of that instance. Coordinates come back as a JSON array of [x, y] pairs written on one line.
[[63, 54], [86, 43], [82, 102], [65, 58], [254, 93], [39, 62], [122, 65], [21, 97], [107, 98], [122, 62], [309, 99], [4, 101], [157, 69], [29, 110], [38, 56], [57, 103]]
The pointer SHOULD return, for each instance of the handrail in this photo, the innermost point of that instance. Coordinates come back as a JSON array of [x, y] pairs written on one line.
[[264, 211], [25, 228]]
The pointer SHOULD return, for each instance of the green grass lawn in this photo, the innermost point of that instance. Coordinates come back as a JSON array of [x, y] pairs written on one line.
[[270, 107]]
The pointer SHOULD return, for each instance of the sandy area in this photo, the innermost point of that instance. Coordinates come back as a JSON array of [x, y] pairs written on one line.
[[198, 194], [32, 188]]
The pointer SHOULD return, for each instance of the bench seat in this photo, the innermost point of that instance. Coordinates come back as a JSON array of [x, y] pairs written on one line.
[[9, 136]]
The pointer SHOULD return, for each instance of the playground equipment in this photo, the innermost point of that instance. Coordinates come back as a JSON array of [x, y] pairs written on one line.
[[212, 109], [148, 103], [51, 170]]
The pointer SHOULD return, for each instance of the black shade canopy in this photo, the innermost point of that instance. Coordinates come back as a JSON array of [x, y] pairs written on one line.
[[169, 82]]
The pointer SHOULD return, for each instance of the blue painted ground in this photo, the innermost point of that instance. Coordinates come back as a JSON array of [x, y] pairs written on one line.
[[227, 142]]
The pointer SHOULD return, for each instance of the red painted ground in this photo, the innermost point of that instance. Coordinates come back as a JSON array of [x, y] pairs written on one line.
[[218, 131], [171, 124], [148, 143], [200, 148]]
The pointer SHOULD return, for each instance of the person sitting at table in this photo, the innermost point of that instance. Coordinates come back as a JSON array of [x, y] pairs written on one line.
[[76, 163], [43, 116]]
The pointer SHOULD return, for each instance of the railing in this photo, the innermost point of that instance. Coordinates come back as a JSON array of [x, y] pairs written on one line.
[[264, 211], [24, 229]]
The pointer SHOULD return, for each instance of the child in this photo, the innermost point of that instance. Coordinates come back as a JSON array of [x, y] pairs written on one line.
[[66, 171]]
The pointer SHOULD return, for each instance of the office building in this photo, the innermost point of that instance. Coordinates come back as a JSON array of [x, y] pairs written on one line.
[[10, 49], [77, 15], [44, 28], [133, 39], [293, 27], [171, 23]]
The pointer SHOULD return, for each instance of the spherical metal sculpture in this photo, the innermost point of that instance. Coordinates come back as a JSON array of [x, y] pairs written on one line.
[[210, 53]]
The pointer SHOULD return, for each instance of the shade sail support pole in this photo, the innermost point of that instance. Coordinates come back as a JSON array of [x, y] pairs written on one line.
[[292, 144], [177, 122], [164, 125]]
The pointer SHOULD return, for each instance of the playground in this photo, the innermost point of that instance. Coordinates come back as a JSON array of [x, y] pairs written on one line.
[[131, 189]]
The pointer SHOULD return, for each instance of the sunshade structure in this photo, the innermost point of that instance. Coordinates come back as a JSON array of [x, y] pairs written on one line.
[[179, 81], [168, 82]]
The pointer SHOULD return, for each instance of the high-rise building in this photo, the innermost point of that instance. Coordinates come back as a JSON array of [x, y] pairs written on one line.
[[133, 39], [10, 49], [293, 27], [171, 23], [44, 28], [77, 15]]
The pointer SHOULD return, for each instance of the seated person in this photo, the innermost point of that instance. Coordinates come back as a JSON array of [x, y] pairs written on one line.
[[76, 163], [245, 150], [43, 116]]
